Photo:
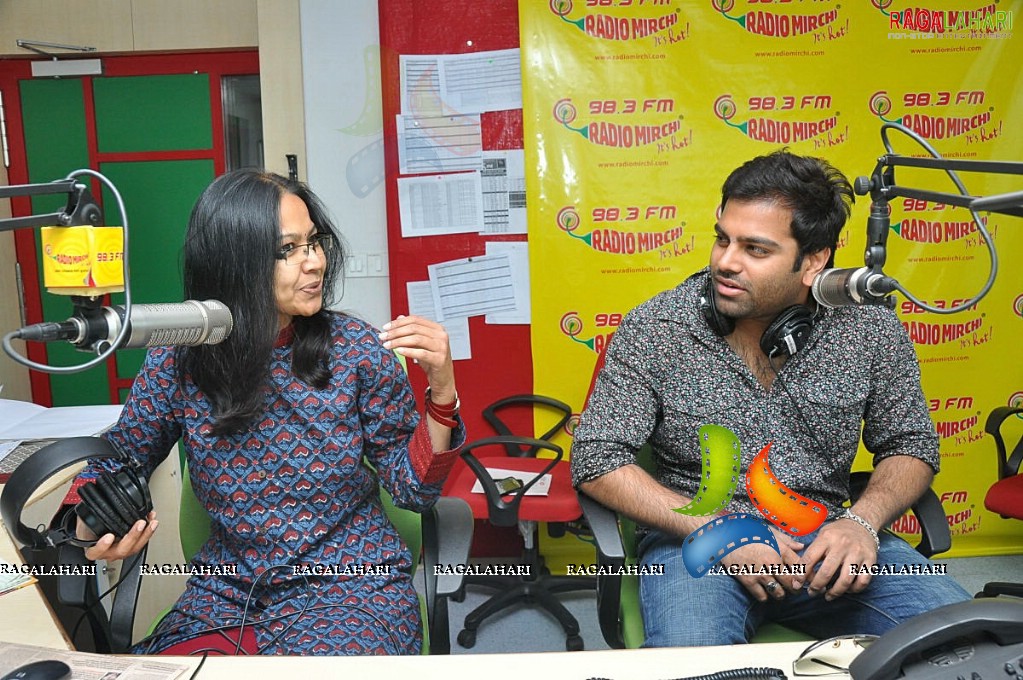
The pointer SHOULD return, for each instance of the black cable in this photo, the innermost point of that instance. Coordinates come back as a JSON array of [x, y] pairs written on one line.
[[124, 574], [199, 667], [736, 674], [988, 241]]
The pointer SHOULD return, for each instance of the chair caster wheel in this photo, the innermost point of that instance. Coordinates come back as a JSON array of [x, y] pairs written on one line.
[[574, 643], [467, 638]]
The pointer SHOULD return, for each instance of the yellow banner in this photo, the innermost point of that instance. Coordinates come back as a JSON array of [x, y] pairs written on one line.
[[635, 112]]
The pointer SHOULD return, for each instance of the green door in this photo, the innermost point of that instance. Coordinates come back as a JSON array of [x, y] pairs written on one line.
[[158, 139]]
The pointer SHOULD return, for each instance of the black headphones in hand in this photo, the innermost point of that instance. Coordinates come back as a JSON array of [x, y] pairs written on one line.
[[110, 506], [786, 335]]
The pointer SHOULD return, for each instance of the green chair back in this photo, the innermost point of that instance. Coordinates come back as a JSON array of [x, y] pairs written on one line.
[[194, 530]]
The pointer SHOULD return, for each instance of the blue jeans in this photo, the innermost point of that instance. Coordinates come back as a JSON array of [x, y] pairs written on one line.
[[715, 609]]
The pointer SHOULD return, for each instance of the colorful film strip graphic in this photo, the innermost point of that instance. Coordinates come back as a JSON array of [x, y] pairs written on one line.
[[789, 511], [719, 472], [709, 544]]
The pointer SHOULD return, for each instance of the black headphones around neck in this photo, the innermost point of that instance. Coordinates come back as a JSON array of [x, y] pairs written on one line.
[[786, 335], [110, 506]]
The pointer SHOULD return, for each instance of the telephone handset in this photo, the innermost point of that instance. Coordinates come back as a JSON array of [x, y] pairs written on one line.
[[974, 640]]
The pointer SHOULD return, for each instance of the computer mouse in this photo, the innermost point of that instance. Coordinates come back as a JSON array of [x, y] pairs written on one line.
[[40, 670]]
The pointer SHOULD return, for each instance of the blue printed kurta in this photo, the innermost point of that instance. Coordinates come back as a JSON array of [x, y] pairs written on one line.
[[295, 491]]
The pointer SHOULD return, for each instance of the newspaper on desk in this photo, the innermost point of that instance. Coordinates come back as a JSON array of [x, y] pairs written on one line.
[[90, 666]]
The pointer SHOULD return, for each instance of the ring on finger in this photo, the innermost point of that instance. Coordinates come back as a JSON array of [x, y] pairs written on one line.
[[770, 586]]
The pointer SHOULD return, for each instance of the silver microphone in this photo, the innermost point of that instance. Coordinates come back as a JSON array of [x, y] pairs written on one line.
[[151, 325], [841, 287]]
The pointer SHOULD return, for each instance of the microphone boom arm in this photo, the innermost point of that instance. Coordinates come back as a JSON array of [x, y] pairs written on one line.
[[81, 210], [882, 187]]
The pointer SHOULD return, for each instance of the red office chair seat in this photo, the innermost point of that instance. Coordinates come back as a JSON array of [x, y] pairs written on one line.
[[561, 504], [537, 587], [1005, 497]]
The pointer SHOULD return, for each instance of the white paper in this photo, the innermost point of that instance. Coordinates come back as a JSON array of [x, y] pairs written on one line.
[[439, 144], [472, 286], [420, 303], [7, 447], [38, 422], [440, 204], [461, 83], [541, 488], [518, 255], [87, 666], [504, 192]]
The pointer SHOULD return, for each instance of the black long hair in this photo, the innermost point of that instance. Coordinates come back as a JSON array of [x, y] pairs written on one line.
[[230, 255]]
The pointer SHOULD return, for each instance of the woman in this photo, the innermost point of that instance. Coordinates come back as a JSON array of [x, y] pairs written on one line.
[[278, 423]]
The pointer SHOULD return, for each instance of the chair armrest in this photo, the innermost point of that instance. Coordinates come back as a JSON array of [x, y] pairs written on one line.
[[604, 523], [935, 536], [610, 553], [447, 536], [1008, 464]]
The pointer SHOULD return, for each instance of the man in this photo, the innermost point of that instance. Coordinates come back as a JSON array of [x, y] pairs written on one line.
[[698, 355]]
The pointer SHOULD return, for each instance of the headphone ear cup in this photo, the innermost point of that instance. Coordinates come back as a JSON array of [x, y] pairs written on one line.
[[788, 333], [114, 503], [119, 496], [135, 486], [718, 322], [96, 512]]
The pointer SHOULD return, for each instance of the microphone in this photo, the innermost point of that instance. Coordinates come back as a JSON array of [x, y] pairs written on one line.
[[151, 325], [841, 287]]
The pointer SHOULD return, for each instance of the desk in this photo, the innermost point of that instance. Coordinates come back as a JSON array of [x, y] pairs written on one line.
[[27, 617], [633, 664]]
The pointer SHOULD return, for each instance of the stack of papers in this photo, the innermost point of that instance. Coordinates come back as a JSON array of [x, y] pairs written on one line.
[[11, 579], [24, 420]]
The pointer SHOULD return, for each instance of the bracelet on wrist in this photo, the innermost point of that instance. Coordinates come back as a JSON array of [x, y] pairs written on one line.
[[443, 414], [849, 514]]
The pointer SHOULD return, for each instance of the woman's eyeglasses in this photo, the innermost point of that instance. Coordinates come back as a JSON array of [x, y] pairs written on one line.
[[831, 656], [296, 253]]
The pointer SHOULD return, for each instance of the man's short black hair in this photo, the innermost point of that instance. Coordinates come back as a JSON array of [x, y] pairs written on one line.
[[818, 194]]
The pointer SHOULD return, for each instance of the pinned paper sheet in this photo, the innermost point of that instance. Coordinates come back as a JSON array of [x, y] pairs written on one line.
[[472, 286], [420, 303], [518, 255], [541, 488], [475, 82], [504, 192], [440, 204], [439, 144]]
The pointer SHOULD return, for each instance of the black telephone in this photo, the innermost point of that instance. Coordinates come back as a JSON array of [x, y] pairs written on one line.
[[975, 640]]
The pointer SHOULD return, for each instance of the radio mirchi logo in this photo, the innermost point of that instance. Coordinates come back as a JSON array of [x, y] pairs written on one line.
[[664, 27], [960, 114], [770, 120], [605, 234], [823, 25], [794, 514], [628, 123]]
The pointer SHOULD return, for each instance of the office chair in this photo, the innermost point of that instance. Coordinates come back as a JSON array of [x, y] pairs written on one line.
[[1005, 496], [442, 536], [512, 505], [618, 610]]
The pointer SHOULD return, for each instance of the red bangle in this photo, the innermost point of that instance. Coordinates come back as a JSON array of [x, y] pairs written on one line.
[[446, 422], [444, 414], [449, 409]]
